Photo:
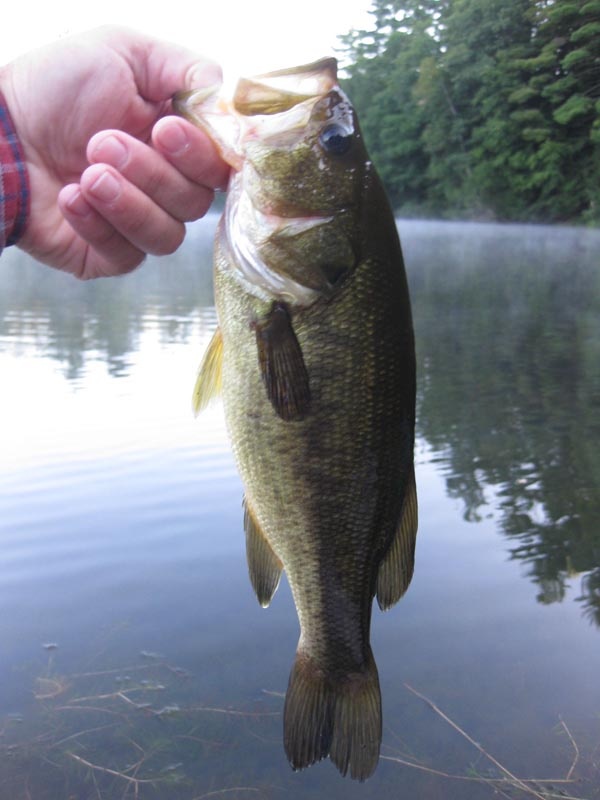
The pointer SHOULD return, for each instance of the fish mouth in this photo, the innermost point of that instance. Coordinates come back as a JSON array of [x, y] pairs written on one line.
[[208, 109], [279, 91], [266, 106]]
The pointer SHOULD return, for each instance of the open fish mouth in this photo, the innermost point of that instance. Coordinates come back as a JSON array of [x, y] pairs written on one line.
[[266, 107], [276, 92]]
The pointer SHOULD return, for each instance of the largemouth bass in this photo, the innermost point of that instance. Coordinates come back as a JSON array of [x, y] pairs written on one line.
[[314, 355]]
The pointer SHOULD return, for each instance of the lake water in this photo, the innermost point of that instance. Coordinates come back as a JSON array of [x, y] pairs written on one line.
[[134, 658]]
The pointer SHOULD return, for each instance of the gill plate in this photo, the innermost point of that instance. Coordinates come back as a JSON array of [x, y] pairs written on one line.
[[246, 229]]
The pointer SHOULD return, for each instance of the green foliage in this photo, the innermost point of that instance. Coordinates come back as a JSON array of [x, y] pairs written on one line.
[[476, 108], [575, 106], [586, 32], [575, 58]]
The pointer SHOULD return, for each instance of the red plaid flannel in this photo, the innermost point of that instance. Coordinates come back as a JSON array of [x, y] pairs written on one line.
[[14, 182]]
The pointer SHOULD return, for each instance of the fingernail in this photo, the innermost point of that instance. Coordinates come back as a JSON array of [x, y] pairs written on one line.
[[106, 188], [77, 205], [173, 139], [112, 151]]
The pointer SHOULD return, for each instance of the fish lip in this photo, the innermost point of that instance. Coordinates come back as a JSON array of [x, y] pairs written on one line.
[[281, 90], [225, 135], [183, 102], [231, 117], [326, 65]]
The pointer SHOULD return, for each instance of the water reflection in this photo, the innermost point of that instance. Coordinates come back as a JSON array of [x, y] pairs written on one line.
[[508, 335], [72, 321]]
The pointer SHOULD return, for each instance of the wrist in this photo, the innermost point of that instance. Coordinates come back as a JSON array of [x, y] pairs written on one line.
[[14, 179]]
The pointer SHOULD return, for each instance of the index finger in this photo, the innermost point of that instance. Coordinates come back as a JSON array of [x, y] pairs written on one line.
[[191, 151]]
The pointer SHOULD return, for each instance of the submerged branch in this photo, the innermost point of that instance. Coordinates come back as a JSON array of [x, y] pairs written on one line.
[[528, 786], [232, 712], [114, 772], [79, 734], [218, 792], [575, 748]]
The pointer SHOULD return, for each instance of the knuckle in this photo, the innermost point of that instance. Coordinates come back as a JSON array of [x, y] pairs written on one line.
[[168, 241], [196, 204], [118, 258], [154, 183]]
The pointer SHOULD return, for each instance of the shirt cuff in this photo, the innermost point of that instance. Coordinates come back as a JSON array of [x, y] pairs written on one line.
[[14, 181]]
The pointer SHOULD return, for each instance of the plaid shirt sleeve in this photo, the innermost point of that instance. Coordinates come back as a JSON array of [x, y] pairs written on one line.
[[14, 182]]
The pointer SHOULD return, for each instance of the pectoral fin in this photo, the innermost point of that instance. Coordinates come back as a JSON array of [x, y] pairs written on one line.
[[396, 569], [208, 382], [282, 364], [263, 565]]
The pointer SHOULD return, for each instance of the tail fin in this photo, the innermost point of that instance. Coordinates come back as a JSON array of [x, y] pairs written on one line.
[[336, 717]]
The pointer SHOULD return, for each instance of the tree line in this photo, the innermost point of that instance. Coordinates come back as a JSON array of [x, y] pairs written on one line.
[[482, 109]]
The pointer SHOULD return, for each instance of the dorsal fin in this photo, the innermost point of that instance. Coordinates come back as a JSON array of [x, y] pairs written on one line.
[[396, 569]]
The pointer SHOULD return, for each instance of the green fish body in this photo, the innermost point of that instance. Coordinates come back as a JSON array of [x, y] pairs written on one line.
[[314, 356]]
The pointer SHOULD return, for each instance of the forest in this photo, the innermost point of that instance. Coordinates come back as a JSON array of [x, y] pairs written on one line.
[[480, 109]]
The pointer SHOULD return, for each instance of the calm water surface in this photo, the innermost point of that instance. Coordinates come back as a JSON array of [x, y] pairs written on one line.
[[134, 659]]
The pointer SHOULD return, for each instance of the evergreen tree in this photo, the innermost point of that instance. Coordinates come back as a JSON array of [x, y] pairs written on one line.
[[482, 40], [479, 108], [383, 72], [558, 110]]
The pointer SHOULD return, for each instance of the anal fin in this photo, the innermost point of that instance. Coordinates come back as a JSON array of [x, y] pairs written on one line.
[[396, 569], [263, 565], [208, 382], [282, 366]]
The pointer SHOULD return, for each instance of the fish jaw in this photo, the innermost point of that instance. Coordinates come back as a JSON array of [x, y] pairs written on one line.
[[210, 110], [259, 108], [214, 111], [273, 91]]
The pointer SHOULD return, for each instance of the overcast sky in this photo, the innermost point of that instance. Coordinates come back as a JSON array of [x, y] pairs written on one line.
[[245, 36]]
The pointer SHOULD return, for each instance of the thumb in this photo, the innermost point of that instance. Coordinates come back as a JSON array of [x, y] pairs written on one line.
[[162, 68]]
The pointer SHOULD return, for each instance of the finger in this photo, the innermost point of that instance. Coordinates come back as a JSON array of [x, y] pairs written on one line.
[[131, 212], [161, 68], [150, 172], [191, 151], [111, 253]]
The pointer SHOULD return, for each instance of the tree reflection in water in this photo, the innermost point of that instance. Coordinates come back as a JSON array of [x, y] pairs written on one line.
[[508, 334], [507, 323]]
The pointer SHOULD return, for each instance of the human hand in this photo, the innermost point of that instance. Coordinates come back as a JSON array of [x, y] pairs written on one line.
[[112, 178]]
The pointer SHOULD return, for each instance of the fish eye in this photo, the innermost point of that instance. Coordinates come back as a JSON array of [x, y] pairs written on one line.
[[335, 139]]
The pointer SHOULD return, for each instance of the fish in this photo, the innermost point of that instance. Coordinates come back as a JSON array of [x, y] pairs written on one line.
[[314, 357]]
